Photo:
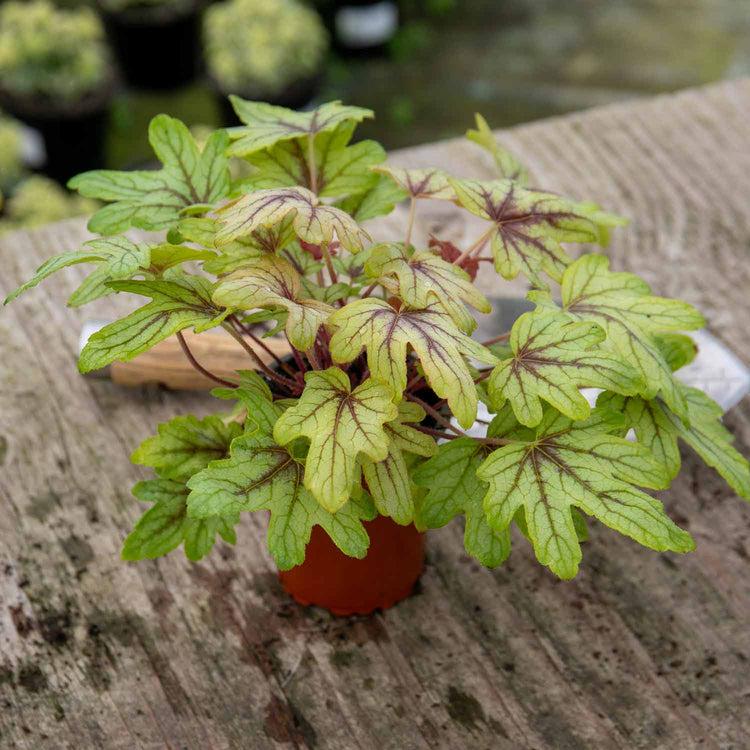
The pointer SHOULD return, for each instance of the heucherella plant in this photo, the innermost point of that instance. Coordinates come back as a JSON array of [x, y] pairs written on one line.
[[368, 414]]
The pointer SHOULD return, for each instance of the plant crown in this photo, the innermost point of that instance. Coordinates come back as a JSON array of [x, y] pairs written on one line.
[[379, 334]]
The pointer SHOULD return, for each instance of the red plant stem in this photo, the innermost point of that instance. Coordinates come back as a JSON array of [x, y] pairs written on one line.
[[369, 290], [311, 160], [478, 244], [280, 379], [436, 415], [244, 329], [312, 358], [497, 339], [412, 207], [416, 380], [297, 357], [447, 436], [202, 370], [329, 263], [435, 433], [483, 376]]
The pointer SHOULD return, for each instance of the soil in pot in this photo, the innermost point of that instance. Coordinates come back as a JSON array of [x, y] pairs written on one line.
[[157, 48], [74, 132], [344, 585]]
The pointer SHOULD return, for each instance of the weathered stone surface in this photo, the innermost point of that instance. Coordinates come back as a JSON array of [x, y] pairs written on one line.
[[642, 650]]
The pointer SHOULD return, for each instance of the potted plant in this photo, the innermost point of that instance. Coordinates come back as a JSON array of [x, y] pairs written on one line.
[[11, 158], [272, 50], [38, 200], [156, 41], [56, 75], [357, 443]]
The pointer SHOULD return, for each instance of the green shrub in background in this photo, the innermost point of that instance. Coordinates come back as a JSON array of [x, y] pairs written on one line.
[[11, 163], [262, 45], [38, 201], [51, 53]]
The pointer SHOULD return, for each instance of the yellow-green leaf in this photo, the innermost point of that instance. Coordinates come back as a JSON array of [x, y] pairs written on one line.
[[262, 475], [622, 305], [420, 183], [424, 278], [454, 487], [658, 428], [508, 166], [527, 227], [341, 424], [552, 359], [388, 480], [266, 124], [578, 464], [439, 344], [313, 221], [273, 282], [166, 525], [176, 304], [155, 199]]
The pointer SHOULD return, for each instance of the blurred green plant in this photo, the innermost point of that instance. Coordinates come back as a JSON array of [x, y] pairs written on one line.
[[50, 52], [38, 201], [262, 46], [11, 163]]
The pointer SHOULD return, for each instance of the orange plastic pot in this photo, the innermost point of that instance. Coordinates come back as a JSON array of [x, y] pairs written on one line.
[[346, 586]]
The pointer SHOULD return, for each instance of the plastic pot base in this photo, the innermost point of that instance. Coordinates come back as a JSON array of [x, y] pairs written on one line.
[[346, 586]]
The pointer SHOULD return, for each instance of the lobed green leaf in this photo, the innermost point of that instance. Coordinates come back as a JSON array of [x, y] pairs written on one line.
[[156, 199], [176, 304], [341, 424], [387, 333], [552, 359], [578, 464]]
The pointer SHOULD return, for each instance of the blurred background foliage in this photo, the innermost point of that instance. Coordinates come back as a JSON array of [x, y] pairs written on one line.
[[512, 60]]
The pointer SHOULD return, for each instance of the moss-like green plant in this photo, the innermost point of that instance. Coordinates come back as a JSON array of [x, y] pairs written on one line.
[[379, 338], [262, 46], [11, 162], [57, 54], [38, 201]]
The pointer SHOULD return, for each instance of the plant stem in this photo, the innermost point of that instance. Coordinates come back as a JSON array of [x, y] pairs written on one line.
[[497, 339], [280, 379], [244, 329], [483, 376], [369, 290], [297, 358], [412, 207], [312, 358], [329, 263], [202, 370], [479, 243], [435, 433], [311, 160], [447, 436], [436, 415]]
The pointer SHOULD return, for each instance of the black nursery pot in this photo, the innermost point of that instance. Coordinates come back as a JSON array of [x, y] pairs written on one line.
[[297, 95], [156, 49], [74, 133]]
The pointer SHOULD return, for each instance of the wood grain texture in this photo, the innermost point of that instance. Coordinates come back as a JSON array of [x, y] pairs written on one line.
[[642, 650]]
